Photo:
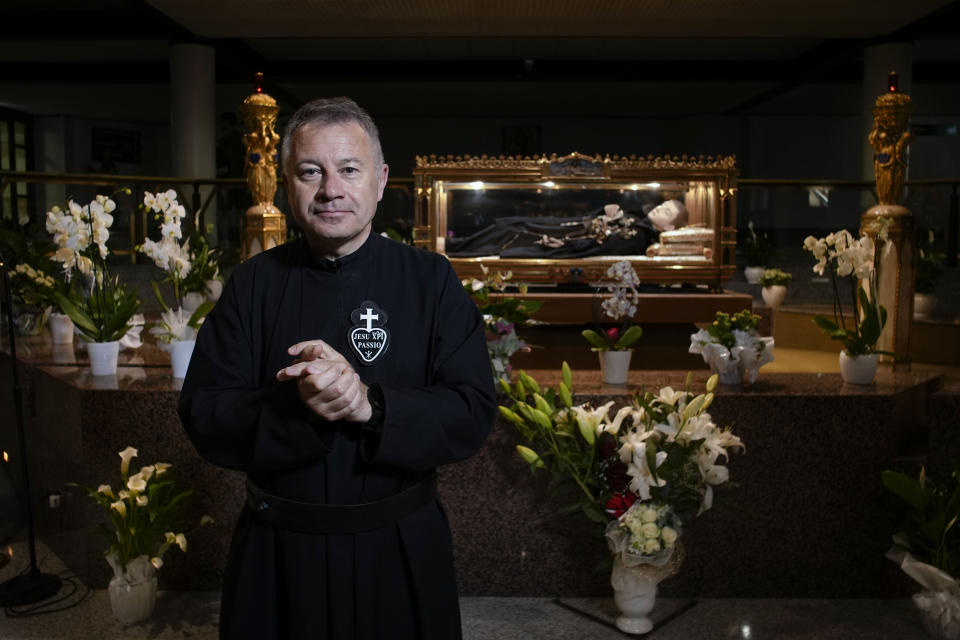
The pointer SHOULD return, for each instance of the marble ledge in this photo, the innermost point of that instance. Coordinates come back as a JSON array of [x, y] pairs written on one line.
[[887, 382], [148, 369]]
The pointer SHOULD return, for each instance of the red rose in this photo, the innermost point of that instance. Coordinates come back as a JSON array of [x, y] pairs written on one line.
[[619, 503]]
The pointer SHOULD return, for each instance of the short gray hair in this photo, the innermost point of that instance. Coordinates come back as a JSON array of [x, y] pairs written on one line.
[[328, 111]]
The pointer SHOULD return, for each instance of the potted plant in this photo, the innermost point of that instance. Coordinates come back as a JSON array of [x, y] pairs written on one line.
[[640, 473], [204, 277], [502, 315], [732, 347], [856, 260], [34, 289], [103, 311], [613, 344], [756, 254], [177, 329], [774, 283], [147, 514], [926, 277], [927, 547]]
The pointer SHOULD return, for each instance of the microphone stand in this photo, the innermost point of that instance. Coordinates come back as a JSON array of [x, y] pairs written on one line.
[[32, 586]]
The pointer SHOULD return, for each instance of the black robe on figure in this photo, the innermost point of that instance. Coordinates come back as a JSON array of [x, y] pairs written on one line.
[[396, 582]]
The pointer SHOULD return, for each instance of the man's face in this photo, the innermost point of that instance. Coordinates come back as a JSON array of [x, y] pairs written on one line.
[[334, 181]]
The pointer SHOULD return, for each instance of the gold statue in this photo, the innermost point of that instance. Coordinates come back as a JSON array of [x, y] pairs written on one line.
[[266, 225], [889, 139]]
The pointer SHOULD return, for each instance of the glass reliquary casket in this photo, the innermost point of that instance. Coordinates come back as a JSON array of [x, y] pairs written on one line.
[[564, 220]]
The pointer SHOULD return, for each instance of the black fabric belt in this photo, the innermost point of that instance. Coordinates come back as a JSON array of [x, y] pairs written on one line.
[[319, 518]]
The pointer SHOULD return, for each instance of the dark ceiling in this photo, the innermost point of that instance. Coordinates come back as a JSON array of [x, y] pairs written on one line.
[[768, 46]]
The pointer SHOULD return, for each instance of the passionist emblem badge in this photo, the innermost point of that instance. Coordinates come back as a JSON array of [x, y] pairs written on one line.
[[369, 337]]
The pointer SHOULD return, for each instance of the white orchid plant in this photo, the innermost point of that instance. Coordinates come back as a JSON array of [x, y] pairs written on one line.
[[174, 259], [80, 233], [147, 513], [661, 453], [858, 260], [620, 306]]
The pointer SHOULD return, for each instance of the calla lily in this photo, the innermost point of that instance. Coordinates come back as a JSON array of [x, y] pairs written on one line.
[[120, 507], [156, 562], [105, 489], [136, 483], [142, 501], [125, 456]]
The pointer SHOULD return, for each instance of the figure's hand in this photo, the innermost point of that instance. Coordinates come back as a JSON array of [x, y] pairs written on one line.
[[326, 382]]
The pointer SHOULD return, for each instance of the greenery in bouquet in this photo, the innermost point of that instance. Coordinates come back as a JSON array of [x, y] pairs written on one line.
[[857, 260], [927, 546], [620, 306], [104, 306], [775, 277], [176, 262], [757, 248], [662, 452], [502, 315], [147, 513], [929, 267], [928, 529], [205, 261]]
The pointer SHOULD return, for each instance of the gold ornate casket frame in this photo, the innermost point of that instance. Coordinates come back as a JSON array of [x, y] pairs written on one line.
[[437, 177]]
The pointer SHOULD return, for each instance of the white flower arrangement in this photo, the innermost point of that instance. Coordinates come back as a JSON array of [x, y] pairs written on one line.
[[175, 260], [621, 305], [645, 534], [80, 233], [733, 348], [147, 514]]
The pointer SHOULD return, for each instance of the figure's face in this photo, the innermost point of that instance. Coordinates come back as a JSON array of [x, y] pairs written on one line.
[[334, 181]]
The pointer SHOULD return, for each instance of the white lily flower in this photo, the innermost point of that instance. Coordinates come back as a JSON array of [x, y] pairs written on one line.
[[136, 482], [639, 471], [125, 456]]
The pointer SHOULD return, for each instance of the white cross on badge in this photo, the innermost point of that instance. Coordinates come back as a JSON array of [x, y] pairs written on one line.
[[368, 340]]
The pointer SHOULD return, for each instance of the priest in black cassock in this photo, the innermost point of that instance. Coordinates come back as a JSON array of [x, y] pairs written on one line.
[[338, 371]]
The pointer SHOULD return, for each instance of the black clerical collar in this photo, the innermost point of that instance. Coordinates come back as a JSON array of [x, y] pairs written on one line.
[[363, 253]]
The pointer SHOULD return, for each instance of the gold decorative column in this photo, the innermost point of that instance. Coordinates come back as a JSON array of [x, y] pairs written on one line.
[[265, 226], [889, 139]]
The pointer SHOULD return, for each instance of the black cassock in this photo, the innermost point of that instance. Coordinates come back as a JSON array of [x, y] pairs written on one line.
[[396, 582]]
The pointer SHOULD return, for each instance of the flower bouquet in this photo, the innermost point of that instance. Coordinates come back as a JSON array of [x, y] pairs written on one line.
[[857, 260], [147, 515], [501, 316], [639, 473], [732, 347], [928, 547]]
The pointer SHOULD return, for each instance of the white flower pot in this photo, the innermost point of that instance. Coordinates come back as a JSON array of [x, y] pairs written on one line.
[[61, 328], [774, 295], [614, 366], [753, 274], [133, 593], [213, 290], [858, 369], [191, 301], [180, 352], [103, 357], [635, 590], [923, 304]]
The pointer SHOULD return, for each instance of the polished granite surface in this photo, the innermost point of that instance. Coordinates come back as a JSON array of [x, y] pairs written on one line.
[[84, 615]]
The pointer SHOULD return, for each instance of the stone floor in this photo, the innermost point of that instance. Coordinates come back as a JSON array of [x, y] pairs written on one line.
[[78, 613]]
